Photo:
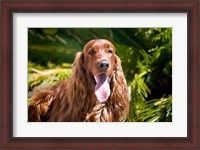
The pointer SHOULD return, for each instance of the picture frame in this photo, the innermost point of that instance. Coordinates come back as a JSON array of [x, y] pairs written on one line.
[[9, 7]]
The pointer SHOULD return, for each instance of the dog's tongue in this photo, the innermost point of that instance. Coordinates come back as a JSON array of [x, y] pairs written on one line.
[[102, 88]]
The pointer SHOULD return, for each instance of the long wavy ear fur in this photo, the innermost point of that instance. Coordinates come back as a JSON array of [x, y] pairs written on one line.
[[75, 93], [77, 79], [77, 66], [119, 92]]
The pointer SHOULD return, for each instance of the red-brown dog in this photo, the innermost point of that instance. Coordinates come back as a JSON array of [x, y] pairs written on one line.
[[97, 90]]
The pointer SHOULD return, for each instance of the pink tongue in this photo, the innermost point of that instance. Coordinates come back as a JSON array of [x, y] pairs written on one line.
[[102, 88]]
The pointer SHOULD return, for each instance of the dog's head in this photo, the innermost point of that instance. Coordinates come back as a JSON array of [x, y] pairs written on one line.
[[99, 62]]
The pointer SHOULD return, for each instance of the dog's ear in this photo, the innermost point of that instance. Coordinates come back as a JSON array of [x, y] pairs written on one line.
[[117, 62], [119, 91], [77, 66], [74, 99], [78, 60], [118, 72]]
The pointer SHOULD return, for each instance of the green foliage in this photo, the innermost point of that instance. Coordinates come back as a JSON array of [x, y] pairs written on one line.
[[38, 79], [146, 55], [153, 77], [157, 110]]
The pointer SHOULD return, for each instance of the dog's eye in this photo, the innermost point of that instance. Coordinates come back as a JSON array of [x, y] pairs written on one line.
[[110, 51], [91, 52]]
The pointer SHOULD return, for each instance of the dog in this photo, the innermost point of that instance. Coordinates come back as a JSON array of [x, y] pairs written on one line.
[[96, 91]]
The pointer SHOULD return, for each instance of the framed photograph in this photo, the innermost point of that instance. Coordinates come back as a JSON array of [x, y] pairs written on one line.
[[53, 32]]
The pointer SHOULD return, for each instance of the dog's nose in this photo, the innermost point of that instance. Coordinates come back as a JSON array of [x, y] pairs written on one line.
[[103, 65]]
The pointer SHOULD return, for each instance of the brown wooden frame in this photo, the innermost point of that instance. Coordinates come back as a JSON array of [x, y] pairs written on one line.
[[191, 7]]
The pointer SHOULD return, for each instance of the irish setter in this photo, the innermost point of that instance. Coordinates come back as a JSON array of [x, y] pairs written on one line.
[[96, 92]]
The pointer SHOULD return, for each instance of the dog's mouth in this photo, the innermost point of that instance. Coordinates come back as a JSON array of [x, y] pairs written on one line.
[[102, 87]]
